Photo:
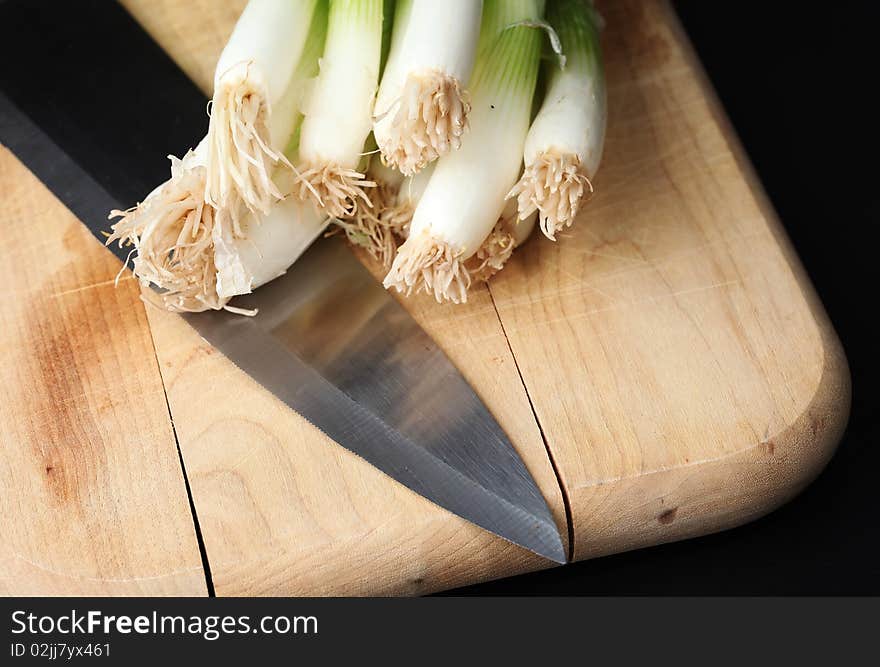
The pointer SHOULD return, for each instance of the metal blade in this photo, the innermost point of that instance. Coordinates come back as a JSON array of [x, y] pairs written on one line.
[[329, 340], [333, 345]]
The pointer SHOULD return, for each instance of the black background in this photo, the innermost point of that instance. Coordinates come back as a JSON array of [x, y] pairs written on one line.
[[799, 82]]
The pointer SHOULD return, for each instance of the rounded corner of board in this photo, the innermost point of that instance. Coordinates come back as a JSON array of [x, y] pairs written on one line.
[[810, 441]]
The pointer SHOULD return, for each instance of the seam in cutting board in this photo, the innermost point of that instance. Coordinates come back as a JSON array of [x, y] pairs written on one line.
[[203, 552], [566, 505]]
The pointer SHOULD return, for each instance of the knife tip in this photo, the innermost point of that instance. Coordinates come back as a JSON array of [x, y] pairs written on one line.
[[554, 551], [545, 542]]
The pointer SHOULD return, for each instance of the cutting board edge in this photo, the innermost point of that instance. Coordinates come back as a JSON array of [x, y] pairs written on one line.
[[790, 459], [723, 493]]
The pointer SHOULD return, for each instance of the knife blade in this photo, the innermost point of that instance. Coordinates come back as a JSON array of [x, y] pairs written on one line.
[[375, 382]]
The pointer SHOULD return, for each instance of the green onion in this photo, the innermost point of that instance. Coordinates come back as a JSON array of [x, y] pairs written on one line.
[[508, 234], [270, 244], [338, 113], [446, 95], [520, 230], [398, 216], [266, 246], [287, 115], [200, 256], [565, 142], [365, 227], [498, 15], [465, 195], [421, 108], [171, 234], [251, 76]]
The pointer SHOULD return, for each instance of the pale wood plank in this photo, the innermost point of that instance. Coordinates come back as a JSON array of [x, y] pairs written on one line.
[[286, 511], [676, 365], [91, 488]]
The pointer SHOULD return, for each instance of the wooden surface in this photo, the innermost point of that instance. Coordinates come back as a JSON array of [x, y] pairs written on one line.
[[668, 351], [696, 382], [91, 491]]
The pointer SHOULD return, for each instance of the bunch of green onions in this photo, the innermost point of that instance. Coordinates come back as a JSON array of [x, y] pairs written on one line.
[[411, 126]]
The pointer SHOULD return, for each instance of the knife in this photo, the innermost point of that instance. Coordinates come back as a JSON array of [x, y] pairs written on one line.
[[91, 105]]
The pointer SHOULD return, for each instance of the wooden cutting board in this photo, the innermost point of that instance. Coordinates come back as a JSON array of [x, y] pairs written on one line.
[[665, 370]]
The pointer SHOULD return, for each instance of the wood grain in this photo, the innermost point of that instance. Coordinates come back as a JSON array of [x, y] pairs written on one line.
[[286, 511], [693, 384], [91, 489]]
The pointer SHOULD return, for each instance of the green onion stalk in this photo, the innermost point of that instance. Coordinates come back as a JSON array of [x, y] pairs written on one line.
[[465, 195], [564, 144], [199, 254], [422, 105], [338, 111]]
